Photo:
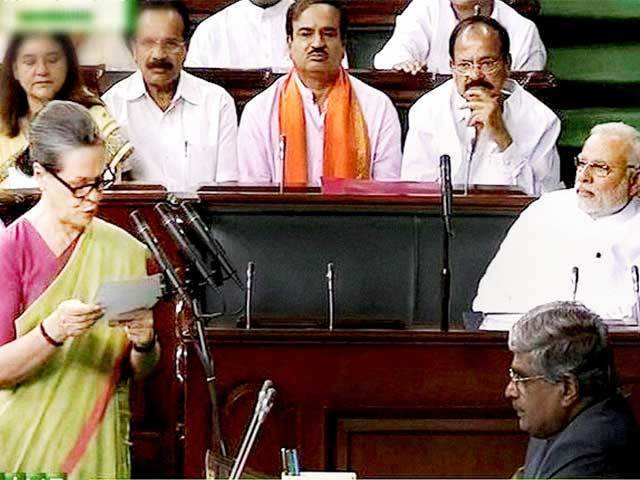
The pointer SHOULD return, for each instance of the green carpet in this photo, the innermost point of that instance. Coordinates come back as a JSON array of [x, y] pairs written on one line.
[[610, 9], [596, 63], [576, 124]]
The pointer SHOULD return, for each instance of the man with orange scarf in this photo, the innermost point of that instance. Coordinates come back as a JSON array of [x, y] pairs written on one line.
[[331, 124]]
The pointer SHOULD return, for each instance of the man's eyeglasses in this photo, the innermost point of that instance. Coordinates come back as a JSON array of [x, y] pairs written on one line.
[[171, 45], [104, 181], [518, 379], [485, 66], [599, 169]]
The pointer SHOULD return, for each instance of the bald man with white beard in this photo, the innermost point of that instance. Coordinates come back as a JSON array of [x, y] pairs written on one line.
[[593, 227], [421, 36]]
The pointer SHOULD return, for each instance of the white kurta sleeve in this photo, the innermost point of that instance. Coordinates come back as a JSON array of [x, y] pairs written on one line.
[[199, 48], [498, 290], [410, 40], [254, 146], [533, 54], [536, 172], [420, 160], [387, 153], [227, 168]]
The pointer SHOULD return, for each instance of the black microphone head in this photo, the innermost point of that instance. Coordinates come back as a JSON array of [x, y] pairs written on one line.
[[139, 222]]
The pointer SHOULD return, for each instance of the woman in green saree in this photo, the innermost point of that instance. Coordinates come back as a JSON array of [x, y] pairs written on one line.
[[63, 398]]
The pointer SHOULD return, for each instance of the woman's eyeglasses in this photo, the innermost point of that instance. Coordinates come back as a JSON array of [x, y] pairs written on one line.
[[104, 181]]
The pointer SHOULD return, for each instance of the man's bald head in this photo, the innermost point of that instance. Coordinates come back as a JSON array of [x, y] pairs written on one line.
[[481, 27]]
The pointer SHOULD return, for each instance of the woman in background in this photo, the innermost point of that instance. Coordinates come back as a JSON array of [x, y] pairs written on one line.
[[63, 395], [39, 68]]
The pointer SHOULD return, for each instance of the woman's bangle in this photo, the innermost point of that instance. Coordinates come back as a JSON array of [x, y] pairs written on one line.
[[48, 338], [146, 347]]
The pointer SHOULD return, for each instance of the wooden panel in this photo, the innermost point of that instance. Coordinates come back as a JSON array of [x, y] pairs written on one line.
[[418, 447]]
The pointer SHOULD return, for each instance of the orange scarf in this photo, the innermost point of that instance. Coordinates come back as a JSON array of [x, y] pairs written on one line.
[[347, 153]]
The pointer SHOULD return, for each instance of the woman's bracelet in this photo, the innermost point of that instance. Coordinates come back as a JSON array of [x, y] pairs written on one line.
[[146, 347], [48, 338]]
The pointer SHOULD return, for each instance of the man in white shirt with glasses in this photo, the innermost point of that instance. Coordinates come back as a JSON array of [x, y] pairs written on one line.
[[579, 243], [183, 128], [495, 132]]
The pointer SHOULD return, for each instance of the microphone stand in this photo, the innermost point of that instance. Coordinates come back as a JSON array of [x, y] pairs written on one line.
[[446, 193], [176, 286]]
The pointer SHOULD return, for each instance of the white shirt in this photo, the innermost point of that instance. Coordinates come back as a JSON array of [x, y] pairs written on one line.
[[242, 35], [422, 33], [535, 261], [105, 49], [193, 142], [438, 126], [259, 134]]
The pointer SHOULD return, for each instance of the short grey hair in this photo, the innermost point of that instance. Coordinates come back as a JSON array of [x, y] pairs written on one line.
[[58, 128], [624, 132], [567, 338]]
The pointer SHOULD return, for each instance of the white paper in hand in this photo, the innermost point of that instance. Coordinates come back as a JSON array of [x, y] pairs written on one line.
[[122, 297]]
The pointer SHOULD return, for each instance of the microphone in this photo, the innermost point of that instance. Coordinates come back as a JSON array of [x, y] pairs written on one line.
[[263, 407], [150, 240], [200, 228], [178, 235], [249, 293], [282, 150], [472, 151], [446, 191], [575, 276], [635, 277]]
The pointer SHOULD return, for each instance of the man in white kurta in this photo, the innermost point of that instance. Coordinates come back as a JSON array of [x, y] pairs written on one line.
[[422, 31], [495, 132], [246, 34], [317, 64], [593, 227], [183, 128]]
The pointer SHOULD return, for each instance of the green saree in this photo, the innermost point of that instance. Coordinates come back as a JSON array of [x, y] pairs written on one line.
[[73, 415]]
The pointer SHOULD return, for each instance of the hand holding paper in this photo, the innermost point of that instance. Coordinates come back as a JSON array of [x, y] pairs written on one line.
[[129, 301]]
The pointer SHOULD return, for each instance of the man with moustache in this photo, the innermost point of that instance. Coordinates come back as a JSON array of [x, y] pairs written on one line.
[[592, 227], [422, 31], [495, 132], [563, 388], [246, 34], [182, 127], [318, 121]]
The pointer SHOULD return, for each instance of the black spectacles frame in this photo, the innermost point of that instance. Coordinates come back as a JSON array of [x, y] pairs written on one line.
[[106, 180]]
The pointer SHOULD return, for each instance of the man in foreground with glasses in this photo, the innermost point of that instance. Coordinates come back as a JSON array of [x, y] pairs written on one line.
[[563, 388], [577, 243], [494, 131], [183, 128]]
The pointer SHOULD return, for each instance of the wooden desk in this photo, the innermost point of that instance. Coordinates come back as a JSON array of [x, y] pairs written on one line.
[[412, 402]]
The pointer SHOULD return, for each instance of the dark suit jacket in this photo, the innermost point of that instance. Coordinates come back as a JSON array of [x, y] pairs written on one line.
[[601, 441]]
